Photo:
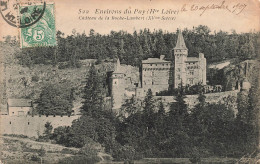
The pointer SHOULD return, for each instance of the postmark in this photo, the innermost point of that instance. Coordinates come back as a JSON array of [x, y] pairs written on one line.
[[42, 32], [11, 14]]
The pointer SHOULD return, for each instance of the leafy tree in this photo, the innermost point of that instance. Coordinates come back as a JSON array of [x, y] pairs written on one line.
[[129, 107], [246, 122], [54, 100]]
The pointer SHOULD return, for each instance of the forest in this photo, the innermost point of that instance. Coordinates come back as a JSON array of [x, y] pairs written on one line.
[[132, 48]]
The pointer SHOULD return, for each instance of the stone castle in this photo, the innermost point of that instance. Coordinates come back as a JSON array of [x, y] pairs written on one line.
[[160, 74]]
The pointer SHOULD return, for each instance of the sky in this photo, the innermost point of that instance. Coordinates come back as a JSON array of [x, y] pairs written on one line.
[[240, 15]]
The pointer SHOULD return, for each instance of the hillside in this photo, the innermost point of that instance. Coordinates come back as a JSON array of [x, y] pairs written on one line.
[[25, 150], [25, 82]]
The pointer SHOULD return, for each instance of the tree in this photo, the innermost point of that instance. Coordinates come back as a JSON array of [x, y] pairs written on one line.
[[198, 129], [149, 109], [246, 121], [54, 100], [129, 107], [48, 130], [93, 95], [178, 113]]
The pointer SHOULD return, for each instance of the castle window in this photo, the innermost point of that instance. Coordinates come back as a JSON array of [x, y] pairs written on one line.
[[191, 81], [152, 83], [191, 72], [28, 123], [179, 77], [162, 64], [10, 122], [151, 64], [115, 82], [155, 64]]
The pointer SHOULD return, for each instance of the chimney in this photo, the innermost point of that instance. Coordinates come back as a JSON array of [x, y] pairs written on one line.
[[162, 57], [201, 55]]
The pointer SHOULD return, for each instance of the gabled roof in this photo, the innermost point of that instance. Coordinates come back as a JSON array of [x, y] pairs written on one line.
[[19, 103], [180, 42], [154, 60]]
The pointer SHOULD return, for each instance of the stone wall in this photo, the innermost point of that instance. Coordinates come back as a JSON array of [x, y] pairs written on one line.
[[32, 126], [228, 98]]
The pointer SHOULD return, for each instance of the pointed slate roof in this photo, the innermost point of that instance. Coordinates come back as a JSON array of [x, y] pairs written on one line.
[[180, 42], [117, 67]]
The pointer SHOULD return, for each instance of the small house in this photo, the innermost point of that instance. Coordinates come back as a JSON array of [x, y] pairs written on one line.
[[19, 107]]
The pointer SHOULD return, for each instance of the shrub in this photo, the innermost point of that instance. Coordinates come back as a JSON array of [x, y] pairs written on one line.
[[35, 78], [63, 65], [68, 151], [35, 157], [124, 152]]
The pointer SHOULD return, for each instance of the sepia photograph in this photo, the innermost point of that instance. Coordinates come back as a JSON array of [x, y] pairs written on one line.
[[129, 81]]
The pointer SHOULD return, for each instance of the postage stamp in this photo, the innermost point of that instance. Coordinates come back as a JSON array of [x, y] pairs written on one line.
[[37, 30]]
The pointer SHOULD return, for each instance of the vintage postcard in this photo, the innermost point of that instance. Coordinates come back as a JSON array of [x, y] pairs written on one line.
[[120, 81]]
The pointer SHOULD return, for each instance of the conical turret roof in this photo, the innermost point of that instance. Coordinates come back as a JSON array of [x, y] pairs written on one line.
[[180, 42], [117, 66]]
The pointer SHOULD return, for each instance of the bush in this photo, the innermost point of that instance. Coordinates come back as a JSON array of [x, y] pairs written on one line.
[[35, 157], [35, 78], [125, 153], [63, 65], [68, 151]]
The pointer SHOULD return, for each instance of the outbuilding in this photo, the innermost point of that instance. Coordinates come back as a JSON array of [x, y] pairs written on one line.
[[19, 107]]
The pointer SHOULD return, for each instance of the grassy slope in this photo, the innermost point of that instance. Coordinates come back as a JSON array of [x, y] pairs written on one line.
[[24, 82]]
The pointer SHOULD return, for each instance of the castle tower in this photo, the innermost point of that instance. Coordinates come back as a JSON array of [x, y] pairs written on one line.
[[118, 86], [180, 55]]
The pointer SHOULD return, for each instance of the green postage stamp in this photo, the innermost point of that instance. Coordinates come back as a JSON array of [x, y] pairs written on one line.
[[38, 25]]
